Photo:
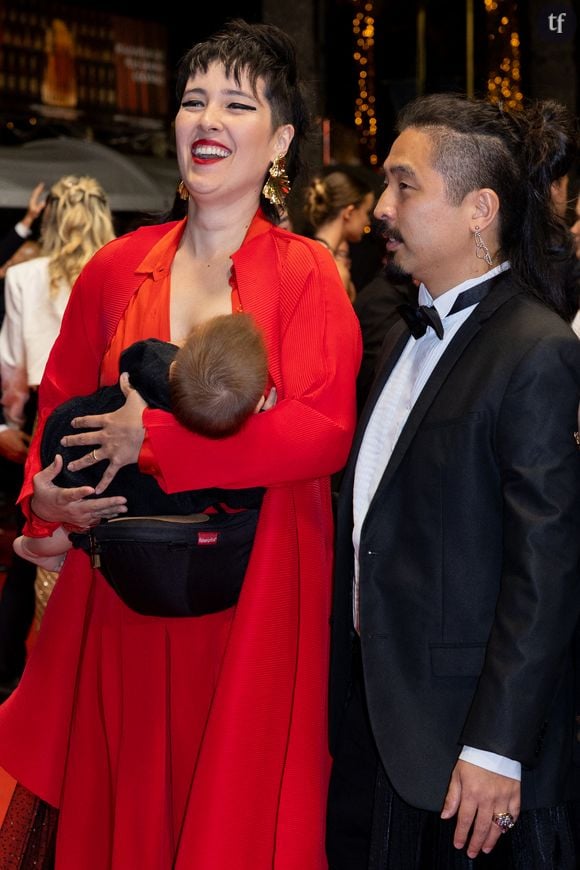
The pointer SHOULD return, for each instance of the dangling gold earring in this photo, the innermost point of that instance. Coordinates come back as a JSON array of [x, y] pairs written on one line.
[[277, 186], [481, 249], [182, 191]]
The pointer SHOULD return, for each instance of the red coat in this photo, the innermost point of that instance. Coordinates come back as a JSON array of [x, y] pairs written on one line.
[[114, 689]]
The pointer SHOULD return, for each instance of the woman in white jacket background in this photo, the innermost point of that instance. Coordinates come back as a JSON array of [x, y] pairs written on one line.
[[76, 222]]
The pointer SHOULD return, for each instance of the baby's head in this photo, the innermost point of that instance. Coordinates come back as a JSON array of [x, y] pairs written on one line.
[[219, 375]]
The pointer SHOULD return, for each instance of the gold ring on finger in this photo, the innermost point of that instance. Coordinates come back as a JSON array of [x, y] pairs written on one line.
[[504, 821]]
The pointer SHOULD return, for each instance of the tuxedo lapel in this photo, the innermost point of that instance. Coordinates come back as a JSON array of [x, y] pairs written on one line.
[[501, 293], [426, 399]]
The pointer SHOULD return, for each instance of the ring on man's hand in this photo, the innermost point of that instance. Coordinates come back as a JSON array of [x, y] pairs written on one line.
[[504, 821], [94, 455]]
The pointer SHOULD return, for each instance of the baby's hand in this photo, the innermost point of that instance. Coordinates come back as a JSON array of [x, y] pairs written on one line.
[[270, 400]]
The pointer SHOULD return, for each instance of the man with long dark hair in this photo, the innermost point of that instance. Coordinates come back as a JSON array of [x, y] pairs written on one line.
[[458, 531]]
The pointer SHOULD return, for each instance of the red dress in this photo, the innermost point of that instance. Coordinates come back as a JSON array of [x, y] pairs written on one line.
[[199, 743]]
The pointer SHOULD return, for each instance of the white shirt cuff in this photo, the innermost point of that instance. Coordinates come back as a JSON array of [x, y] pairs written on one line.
[[4, 427], [22, 230], [491, 761]]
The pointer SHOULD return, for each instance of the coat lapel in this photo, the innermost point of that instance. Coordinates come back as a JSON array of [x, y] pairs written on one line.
[[258, 256], [502, 291]]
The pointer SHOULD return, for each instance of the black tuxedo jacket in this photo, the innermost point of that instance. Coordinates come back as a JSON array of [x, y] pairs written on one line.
[[470, 558]]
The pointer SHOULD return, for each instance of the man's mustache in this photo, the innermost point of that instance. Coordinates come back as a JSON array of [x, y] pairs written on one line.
[[389, 233]]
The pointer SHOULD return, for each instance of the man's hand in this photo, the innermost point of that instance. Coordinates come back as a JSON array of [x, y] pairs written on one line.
[[71, 505], [14, 445], [36, 205], [475, 794]]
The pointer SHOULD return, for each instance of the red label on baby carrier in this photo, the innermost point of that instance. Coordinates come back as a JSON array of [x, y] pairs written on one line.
[[205, 539]]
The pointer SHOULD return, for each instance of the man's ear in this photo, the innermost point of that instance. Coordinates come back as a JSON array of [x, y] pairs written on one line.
[[485, 208]]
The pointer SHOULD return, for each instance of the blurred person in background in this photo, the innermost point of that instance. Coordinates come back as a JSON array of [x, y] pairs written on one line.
[[575, 230], [76, 222], [563, 169], [338, 207], [15, 247], [21, 231]]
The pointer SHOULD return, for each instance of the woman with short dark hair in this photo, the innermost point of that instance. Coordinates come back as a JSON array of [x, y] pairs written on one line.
[[199, 742]]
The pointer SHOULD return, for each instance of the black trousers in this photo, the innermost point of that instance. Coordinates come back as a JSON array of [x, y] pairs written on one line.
[[369, 827]]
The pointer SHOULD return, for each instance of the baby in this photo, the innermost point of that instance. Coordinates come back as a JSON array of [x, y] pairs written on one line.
[[211, 384]]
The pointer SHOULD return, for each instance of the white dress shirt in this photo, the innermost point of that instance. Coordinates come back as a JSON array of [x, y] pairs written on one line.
[[402, 389]]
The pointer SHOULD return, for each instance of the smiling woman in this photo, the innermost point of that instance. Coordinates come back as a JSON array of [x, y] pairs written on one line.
[[197, 742]]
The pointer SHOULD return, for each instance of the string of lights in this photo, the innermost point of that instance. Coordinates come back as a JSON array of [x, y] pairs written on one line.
[[504, 77], [365, 119]]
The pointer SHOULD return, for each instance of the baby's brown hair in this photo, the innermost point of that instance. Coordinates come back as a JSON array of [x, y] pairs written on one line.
[[219, 375]]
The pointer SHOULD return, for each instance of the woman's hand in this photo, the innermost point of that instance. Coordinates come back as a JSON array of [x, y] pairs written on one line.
[[118, 436], [71, 505]]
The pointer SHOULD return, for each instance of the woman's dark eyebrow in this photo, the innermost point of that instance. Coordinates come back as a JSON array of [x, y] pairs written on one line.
[[229, 92]]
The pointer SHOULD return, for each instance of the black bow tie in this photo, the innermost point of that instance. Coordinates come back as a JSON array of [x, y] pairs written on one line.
[[419, 317]]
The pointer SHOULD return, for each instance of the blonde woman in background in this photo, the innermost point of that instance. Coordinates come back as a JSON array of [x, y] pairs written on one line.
[[339, 206], [76, 222]]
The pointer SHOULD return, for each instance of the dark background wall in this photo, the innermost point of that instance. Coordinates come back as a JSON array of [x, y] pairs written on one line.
[[323, 30]]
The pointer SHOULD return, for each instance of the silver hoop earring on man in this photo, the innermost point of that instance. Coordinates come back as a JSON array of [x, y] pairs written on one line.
[[481, 249]]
